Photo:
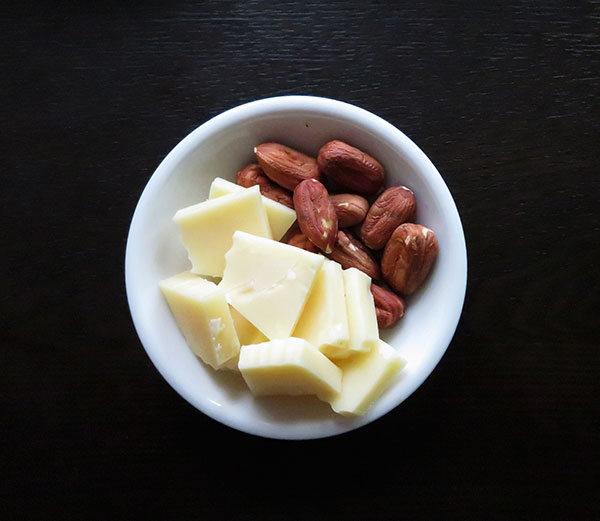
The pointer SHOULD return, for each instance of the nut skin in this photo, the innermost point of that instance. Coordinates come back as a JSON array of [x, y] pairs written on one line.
[[351, 253], [351, 209], [389, 307], [285, 166], [351, 168], [298, 239], [408, 257], [393, 207], [316, 215], [253, 174]]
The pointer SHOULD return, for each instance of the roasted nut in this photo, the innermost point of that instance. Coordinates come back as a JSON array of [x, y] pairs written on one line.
[[316, 216], [408, 257], [285, 166], [350, 168], [298, 239], [252, 175], [351, 253], [351, 209], [389, 307], [392, 208]]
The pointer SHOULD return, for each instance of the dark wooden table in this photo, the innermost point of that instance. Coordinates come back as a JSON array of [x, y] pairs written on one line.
[[503, 97]]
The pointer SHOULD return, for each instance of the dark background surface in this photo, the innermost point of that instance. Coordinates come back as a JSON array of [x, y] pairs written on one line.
[[502, 98]]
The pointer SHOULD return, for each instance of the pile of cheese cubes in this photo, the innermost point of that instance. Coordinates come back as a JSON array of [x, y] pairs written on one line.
[[290, 321]]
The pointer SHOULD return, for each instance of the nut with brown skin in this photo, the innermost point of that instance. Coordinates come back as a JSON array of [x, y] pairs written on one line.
[[408, 257], [389, 307], [285, 166], [252, 175], [351, 209], [298, 239], [393, 207], [351, 253], [351, 168], [316, 215]]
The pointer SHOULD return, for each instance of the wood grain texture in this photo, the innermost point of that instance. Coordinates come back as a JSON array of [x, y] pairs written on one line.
[[503, 99]]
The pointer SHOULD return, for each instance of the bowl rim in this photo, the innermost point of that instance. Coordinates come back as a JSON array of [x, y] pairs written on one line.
[[321, 106]]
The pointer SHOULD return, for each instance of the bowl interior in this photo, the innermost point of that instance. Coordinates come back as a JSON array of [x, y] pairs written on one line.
[[220, 148]]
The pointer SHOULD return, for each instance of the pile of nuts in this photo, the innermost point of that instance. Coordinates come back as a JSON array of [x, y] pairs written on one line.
[[334, 217]]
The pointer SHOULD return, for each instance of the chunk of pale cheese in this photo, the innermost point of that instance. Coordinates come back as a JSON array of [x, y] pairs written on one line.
[[246, 332], [247, 335], [280, 216], [362, 320], [207, 228], [289, 366], [324, 320], [203, 317], [268, 282], [365, 377]]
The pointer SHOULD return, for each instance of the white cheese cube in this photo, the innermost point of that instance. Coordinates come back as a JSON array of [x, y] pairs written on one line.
[[246, 332], [365, 377], [289, 366], [362, 320], [203, 317], [268, 282], [324, 321], [280, 216], [207, 228], [247, 335]]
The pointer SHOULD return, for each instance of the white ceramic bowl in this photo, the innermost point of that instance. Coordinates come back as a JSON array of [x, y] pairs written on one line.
[[220, 147]]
